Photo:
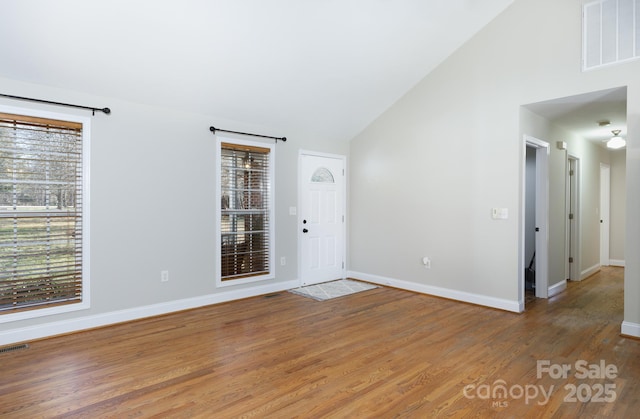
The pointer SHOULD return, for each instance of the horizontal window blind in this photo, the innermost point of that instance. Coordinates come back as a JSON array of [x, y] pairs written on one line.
[[40, 212], [245, 212]]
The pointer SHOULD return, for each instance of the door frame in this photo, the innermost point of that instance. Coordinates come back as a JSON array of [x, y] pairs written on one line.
[[572, 240], [542, 216], [299, 224]]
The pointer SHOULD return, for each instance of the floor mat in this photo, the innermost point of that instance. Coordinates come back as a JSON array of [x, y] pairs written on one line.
[[333, 289]]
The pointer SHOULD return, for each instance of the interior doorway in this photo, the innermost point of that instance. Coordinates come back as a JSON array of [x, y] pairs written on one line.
[[530, 223], [584, 122], [536, 205]]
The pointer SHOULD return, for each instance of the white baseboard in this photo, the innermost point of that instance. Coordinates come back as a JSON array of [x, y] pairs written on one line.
[[589, 271], [483, 300], [616, 262], [49, 329], [630, 329], [557, 288]]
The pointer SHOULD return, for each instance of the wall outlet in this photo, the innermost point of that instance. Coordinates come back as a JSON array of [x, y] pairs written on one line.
[[283, 261], [164, 276]]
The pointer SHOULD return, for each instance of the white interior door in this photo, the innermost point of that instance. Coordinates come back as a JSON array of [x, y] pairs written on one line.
[[605, 196], [321, 218], [541, 216], [542, 220]]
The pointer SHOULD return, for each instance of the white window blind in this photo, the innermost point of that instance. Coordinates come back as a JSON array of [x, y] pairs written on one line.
[[41, 223], [245, 215], [610, 32]]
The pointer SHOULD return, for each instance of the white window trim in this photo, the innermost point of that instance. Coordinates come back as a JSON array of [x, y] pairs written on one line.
[[86, 223], [218, 212]]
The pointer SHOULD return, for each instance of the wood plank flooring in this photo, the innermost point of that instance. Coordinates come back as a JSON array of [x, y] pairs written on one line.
[[382, 353]]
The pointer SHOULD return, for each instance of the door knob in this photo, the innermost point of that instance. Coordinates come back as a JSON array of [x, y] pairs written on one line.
[[304, 230]]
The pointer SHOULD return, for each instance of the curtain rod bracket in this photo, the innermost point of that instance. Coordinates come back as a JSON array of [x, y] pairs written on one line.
[[214, 129]]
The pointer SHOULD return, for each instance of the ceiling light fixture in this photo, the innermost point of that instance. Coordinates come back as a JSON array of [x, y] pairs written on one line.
[[616, 142]]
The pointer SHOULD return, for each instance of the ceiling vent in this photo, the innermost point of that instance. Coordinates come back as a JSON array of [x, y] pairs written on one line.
[[610, 32]]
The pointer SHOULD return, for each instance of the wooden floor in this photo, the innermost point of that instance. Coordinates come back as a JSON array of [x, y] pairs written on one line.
[[381, 353]]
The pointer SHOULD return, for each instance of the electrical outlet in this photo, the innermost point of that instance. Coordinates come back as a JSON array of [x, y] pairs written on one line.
[[164, 276], [283, 261]]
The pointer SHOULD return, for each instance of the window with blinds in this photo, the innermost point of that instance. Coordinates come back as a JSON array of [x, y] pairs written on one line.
[[41, 203], [245, 211]]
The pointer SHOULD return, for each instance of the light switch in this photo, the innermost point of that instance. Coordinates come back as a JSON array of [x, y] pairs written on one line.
[[500, 213]]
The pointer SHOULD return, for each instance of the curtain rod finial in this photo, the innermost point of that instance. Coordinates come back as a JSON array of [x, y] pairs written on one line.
[[212, 129], [106, 110], [284, 139]]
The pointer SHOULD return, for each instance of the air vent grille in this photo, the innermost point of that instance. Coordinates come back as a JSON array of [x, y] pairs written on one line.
[[13, 348], [610, 32]]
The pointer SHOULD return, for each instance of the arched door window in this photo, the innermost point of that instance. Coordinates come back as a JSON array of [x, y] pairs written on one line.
[[322, 175]]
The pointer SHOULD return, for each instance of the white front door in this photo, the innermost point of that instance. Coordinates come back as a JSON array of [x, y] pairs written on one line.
[[322, 218]]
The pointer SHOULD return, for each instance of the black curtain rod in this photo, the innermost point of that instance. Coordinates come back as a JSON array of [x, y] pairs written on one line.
[[93, 110], [214, 129]]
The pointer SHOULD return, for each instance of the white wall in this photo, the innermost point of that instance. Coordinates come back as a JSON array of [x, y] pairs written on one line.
[[152, 209], [427, 172]]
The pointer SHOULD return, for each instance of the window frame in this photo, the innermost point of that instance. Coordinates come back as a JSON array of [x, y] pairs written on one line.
[[85, 301], [270, 213]]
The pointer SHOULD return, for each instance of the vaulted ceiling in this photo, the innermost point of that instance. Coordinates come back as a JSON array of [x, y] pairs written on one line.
[[333, 65]]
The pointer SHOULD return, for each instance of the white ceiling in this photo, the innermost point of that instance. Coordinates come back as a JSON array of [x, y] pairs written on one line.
[[333, 65], [581, 114]]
